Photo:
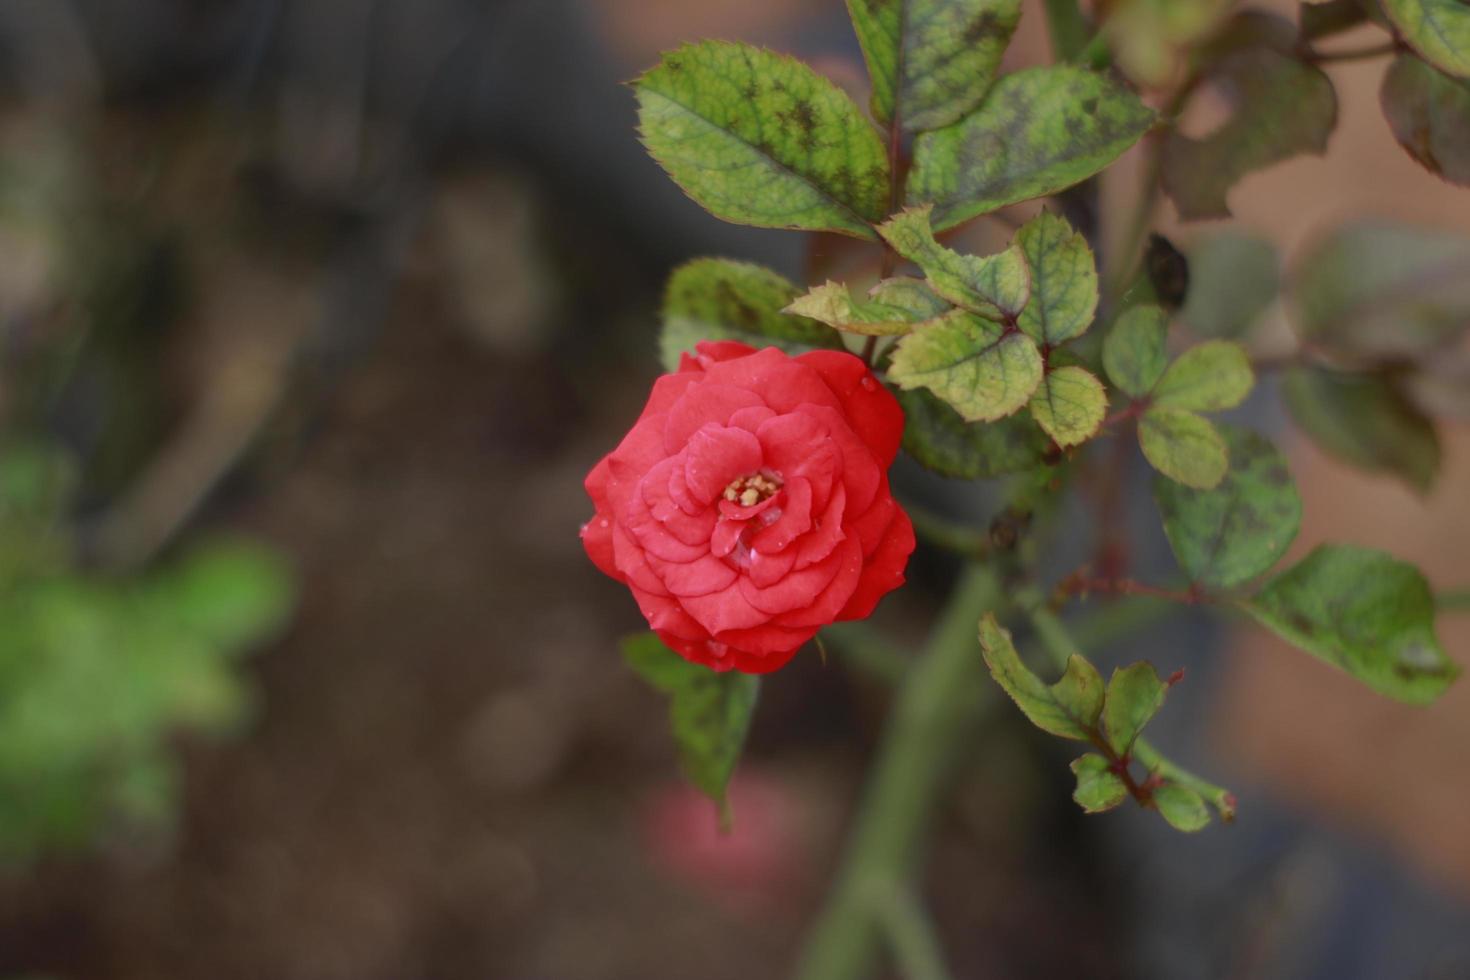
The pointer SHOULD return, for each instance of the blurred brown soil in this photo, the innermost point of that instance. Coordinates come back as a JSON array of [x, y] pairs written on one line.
[[450, 768]]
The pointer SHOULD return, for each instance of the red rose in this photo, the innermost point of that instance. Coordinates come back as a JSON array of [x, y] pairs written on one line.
[[749, 506]]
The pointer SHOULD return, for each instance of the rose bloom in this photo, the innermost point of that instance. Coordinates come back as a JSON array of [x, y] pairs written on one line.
[[749, 506]]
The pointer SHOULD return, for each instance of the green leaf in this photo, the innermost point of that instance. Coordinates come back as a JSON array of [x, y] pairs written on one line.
[[1365, 612], [1069, 404], [932, 60], [1063, 280], [721, 299], [1209, 377], [995, 286], [758, 138], [1438, 29], [1283, 108], [1229, 535], [709, 711], [1133, 352], [834, 305], [1135, 695], [1099, 789], [981, 369], [1364, 420], [1429, 113], [1069, 708], [1037, 132], [936, 436], [1382, 291], [1184, 447], [1182, 807], [1232, 280]]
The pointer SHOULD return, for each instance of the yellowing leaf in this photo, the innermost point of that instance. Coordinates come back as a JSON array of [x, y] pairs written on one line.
[[1063, 280], [832, 304], [995, 286], [979, 367], [1133, 351], [1069, 405], [1184, 447], [1209, 377]]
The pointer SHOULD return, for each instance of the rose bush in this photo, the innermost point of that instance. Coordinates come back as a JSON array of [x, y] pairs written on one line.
[[749, 505]]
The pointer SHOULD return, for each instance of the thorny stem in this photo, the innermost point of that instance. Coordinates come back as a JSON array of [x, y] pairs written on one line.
[[941, 533], [911, 938], [1080, 583], [938, 705]]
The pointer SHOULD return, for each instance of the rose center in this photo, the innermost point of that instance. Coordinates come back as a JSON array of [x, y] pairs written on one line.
[[751, 489]]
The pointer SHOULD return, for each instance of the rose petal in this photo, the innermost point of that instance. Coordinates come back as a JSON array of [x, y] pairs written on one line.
[[713, 351], [640, 451], [783, 383], [653, 537], [711, 653], [690, 529], [826, 533], [884, 570], [795, 518], [766, 570], [760, 644], [667, 389], [724, 610], [628, 558], [702, 576], [860, 471], [823, 608], [869, 408], [666, 615], [870, 527], [750, 419], [796, 590], [702, 404], [725, 536], [716, 455], [789, 440]]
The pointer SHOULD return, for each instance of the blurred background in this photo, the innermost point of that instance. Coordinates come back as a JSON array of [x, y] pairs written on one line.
[[314, 314]]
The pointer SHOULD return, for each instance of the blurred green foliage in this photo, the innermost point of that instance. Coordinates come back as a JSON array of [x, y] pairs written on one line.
[[97, 674]]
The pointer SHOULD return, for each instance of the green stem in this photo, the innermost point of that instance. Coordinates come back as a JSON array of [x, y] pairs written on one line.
[[947, 535], [1220, 798], [916, 949], [937, 707], [1067, 27], [863, 647]]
